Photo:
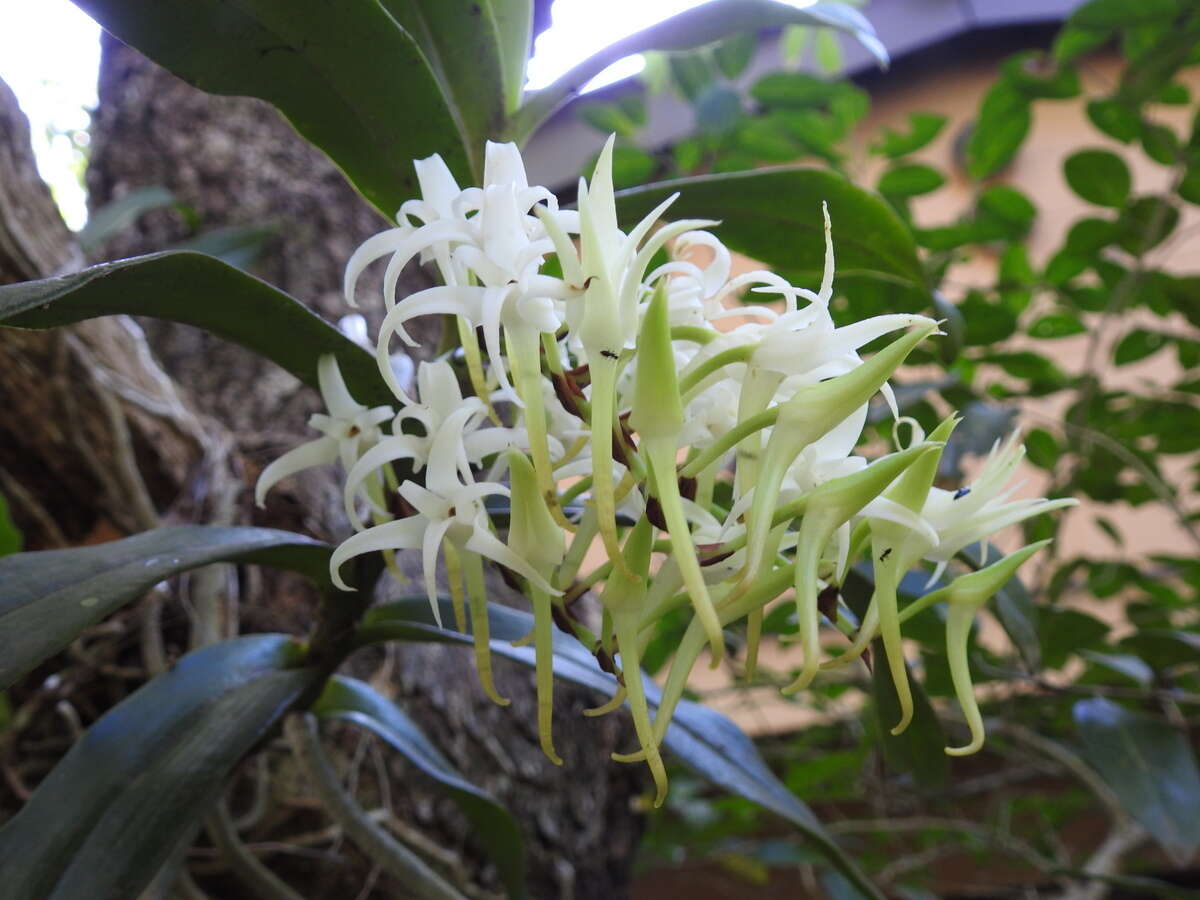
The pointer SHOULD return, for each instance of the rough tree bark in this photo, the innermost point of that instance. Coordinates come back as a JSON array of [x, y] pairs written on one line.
[[232, 161]]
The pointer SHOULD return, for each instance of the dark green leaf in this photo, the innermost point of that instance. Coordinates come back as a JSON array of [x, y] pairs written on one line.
[[910, 180], [986, 322], [1042, 449], [1065, 265], [691, 73], [1165, 646], [1122, 14], [766, 140], [1189, 185], [709, 743], [492, 825], [1150, 766], [1099, 177], [349, 78], [1066, 632], [774, 216], [1161, 144], [1089, 235], [1146, 223], [461, 43], [1004, 212], [239, 246], [115, 217], [1036, 75], [1072, 43], [1056, 325], [1137, 345], [1116, 119], [608, 118], [919, 749], [793, 90], [47, 598], [106, 818], [198, 290], [1174, 94], [1001, 126], [734, 53], [922, 129]]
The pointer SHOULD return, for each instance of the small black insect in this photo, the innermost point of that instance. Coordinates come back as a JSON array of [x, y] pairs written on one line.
[[961, 492], [885, 554], [608, 354]]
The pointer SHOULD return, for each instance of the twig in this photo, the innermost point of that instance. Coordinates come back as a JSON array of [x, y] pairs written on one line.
[[373, 841], [245, 865]]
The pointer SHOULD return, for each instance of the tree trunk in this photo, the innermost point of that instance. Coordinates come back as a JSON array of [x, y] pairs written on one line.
[[235, 162]]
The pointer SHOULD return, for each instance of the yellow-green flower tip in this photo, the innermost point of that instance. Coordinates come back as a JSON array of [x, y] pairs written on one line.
[[532, 532]]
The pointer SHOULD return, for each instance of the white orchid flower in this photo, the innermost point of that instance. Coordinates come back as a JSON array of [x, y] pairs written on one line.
[[449, 507], [348, 430], [974, 513]]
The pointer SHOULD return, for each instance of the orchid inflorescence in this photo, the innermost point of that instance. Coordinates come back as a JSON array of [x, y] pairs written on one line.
[[715, 467]]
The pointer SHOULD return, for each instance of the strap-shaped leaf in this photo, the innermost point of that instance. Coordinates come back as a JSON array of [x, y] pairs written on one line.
[[703, 24], [347, 75], [460, 40], [493, 825], [706, 741], [108, 815], [47, 598], [203, 291], [774, 216]]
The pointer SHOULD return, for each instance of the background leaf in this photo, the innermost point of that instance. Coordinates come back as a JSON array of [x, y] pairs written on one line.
[[198, 290], [1149, 766], [11, 539], [493, 825], [1098, 176], [774, 216], [346, 75], [105, 819], [47, 598]]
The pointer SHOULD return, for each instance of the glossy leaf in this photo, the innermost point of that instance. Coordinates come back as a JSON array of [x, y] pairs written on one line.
[[696, 27], [774, 216], [706, 741], [1099, 177], [48, 597], [1151, 768], [346, 75], [199, 290], [460, 41], [1056, 325], [492, 825], [1115, 118], [106, 818]]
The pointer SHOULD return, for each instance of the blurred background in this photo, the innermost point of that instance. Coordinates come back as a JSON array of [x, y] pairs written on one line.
[[1049, 167]]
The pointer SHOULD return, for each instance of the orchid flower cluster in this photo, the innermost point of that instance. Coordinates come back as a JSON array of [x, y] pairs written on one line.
[[609, 407]]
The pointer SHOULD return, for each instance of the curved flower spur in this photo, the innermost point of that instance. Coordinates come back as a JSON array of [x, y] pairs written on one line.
[[609, 407]]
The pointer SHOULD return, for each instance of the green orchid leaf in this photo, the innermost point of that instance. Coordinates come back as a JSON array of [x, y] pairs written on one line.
[[923, 128], [695, 27], [198, 290], [113, 218], [47, 598], [106, 818], [910, 180], [347, 76], [460, 40], [492, 824], [1151, 768], [706, 741], [774, 216]]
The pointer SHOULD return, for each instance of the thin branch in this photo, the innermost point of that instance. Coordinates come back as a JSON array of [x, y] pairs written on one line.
[[375, 842], [245, 865]]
